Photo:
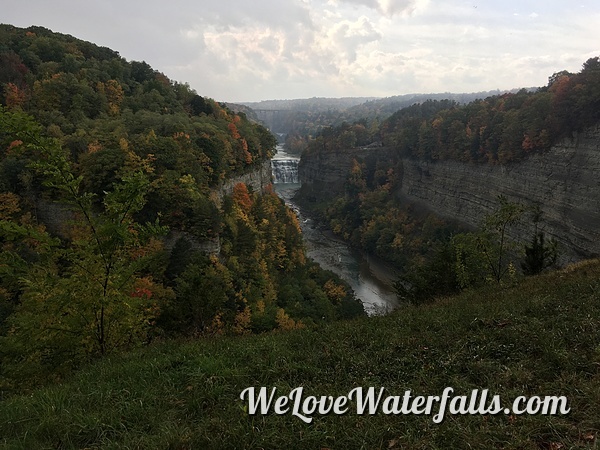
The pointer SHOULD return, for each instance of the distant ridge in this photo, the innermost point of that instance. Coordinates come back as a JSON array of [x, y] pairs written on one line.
[[307, 116], [343, 103]]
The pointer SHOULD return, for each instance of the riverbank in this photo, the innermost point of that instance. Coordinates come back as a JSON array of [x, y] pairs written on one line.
[[370, 278]]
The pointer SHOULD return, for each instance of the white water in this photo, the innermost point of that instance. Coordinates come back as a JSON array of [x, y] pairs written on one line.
[[284, 167]]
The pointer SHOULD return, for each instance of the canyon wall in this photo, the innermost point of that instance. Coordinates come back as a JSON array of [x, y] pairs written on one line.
[[256, 180], [564, 182]]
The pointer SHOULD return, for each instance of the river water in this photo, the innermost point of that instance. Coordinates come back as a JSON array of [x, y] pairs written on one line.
[[370, 278]]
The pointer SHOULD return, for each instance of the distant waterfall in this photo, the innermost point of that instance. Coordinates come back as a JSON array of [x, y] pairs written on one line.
[[285, 170]]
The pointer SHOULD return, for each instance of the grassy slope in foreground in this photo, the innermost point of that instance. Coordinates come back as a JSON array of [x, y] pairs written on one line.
[[540, 338]]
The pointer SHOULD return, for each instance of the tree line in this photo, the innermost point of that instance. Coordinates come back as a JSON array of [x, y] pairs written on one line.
[[496, 130]]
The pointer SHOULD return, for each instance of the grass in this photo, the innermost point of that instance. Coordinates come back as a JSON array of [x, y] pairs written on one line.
[[541, 337]]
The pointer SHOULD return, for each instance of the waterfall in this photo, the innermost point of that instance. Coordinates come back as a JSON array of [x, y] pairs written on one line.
[[285, 170]]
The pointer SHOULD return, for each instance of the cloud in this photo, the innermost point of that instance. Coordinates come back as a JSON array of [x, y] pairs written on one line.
[[242, 50], [346, 38], [391, 8], [377, 47], [402, 7], [259, 54]]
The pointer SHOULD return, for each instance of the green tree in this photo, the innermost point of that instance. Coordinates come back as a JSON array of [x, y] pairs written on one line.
[[87, 295], [204, 290], [494, 242], [540, 254]]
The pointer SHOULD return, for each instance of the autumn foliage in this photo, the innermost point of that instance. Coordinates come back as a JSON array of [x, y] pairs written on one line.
[[242, 197], [495, 130]]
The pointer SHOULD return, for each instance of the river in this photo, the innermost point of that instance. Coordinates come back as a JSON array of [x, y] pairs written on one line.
[[370, 278]]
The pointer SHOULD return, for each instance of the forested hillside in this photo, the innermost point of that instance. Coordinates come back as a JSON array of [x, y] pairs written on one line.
[[497, 129], [123, 156]]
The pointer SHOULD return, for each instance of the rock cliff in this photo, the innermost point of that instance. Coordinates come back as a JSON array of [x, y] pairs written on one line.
[[257, 180], [564, 182]]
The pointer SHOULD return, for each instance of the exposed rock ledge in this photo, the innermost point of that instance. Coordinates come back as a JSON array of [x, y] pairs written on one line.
[[564, 182], [257, 180]]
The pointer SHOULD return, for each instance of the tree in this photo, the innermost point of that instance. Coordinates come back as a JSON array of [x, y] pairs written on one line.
[[141, 71], [205, 291], [87, 295], [440, 276], [494, 243], [199, 105], [13, 96], [100, 168], [12, 69], [540, 254], [241, 197]]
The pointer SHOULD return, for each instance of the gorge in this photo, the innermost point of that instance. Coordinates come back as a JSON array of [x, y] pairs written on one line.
[[562, 182]]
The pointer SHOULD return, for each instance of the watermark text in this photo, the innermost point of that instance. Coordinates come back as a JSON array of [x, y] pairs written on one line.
[[373, 401]]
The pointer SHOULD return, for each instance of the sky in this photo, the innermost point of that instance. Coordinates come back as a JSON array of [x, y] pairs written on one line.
[[252, 50]]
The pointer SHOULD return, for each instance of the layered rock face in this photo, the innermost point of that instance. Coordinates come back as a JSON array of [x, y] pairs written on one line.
[[257, 180], [564, 182]]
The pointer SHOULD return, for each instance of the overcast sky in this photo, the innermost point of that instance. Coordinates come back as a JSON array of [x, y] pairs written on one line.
[[250, 50]]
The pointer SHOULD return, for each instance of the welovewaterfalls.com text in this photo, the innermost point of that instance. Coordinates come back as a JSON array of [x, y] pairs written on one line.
[[373, 401]]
